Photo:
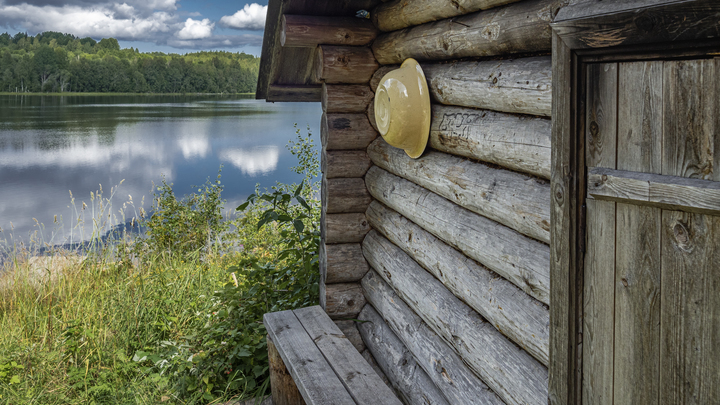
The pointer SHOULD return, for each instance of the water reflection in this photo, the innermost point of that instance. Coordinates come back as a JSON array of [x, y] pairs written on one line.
[[51, 145]]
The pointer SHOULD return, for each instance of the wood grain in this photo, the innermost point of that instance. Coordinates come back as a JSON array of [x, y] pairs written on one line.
[[350, 330], [399, 14], [344, 195], [342, 263], [346, 131], [344, 163], [343, 228], [311, 31], [345, 64], [350, 98], [282, 387], [342, 300]]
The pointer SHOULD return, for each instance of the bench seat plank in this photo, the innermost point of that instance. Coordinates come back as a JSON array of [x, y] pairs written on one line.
[[361, 381], [312, 374]]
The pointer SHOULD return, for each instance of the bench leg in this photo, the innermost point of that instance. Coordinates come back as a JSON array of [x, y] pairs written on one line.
[[283, 388]]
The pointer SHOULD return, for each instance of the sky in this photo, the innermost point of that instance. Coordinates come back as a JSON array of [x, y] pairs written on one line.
[[171, 26]]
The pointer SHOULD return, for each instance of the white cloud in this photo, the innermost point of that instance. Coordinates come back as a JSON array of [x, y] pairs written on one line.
[[196, 29], [251, 17], [252, 162]]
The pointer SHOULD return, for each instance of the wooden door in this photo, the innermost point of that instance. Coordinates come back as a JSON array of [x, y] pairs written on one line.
[[651, 291]]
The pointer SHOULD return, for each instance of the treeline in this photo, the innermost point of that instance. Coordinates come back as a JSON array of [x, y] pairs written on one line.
[[56, 62]]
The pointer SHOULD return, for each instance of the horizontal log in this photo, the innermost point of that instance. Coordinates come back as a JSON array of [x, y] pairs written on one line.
[[518, 142], [371, 116], [522, 86], [343, 228], [371, 361], [521, 260], [655, 190], [342, 301], [294, 93], [340, 196], [351, 332], [349, 98], [396, 361], [310, 31], [512, 199], [345, 64], [507, 370], [441, 363], [399, 14], [342, 263], [344, 163], [379, 74], [346, 131], [515, 314], [516, 28]]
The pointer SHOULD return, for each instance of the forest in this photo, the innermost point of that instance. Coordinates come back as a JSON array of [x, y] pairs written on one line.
[[56, 62]]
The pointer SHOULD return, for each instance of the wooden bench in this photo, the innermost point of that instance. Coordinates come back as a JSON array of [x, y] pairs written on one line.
[[325, 367]]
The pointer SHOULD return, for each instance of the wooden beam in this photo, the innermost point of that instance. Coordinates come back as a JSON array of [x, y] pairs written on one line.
[[345, 64], [516, 28], [397, 362], [344, 163], [342, 263], [441, 363], [342, 301], [341, 196], [311, 31], [512, 199], [343, 228], [399, 14], [513, 313], [282, 387], [351, 98], [517, 142], [346, 131], [519, 259], [522, 86], [294, 93], [655, 190]]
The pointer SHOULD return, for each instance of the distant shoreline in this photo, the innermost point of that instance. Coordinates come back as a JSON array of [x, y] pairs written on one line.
[[67, 93]]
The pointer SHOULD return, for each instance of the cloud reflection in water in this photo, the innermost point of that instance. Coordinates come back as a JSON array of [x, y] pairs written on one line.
[[258, 160]]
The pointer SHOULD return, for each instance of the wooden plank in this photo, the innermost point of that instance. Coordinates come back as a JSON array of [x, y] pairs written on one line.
[[657, 23], [512, 312], [345, 64], [655, 190], [517, 142], [341, 196], [342, 300], [440, 362], [399, 14], [522, 86], [519, 259], [293, 93], [509, 371], [282, 387], [351, 98], [342, 263], [311, 31], [690, 306], [344, 163], [516, 28], [397, 363], [598, 325], [351, 332], [312, 374], [512, 199], [354, 372], [346, 131]]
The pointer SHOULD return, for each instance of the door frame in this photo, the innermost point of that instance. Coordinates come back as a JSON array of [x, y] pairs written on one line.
[[599, 31]]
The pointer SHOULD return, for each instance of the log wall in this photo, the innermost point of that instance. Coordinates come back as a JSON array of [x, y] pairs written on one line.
[[449, 253]]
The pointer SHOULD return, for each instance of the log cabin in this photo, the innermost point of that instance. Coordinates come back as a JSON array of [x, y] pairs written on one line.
[[559, 239]]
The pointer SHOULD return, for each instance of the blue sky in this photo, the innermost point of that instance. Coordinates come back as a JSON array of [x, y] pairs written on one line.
[[177, 26]]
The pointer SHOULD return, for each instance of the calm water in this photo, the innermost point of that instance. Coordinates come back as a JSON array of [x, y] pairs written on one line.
[[50, 146]]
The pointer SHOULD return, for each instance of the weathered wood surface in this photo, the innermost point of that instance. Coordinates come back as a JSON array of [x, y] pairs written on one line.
[[508, 370], [379, 74], [345, 64], [343, 228], [599, 277], [294, 93], [351, 332], [587, 8], [399, 14], [342, 301], [346, 131], [522, 86], [512, 312], [519, 259], [667, 192], [340, 196], [517, 142], [354, 372], [342, 263], [396, 361], [371, 361], [444, 367], [311, 31], [282, 387], [371, 116], [349, 98], [515, 28], [344, 163], [312, 374], [512, 199]]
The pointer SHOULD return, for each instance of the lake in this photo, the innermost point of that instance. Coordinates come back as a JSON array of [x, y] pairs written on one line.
[[53, 145]]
